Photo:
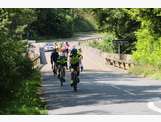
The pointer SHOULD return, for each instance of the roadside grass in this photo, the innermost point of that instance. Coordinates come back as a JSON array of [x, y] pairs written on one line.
[[27, 100], [104, 45], [146, 71]]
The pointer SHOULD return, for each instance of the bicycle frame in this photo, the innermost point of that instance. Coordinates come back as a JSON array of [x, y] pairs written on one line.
[[62, 74], [75, 79]]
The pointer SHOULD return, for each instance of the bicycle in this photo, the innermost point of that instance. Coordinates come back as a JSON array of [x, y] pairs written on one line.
[[75, 79], [61, 68], [61, 74], [54, 69]]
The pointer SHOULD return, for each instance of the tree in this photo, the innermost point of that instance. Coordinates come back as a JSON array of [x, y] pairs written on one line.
[[53, 22], [14, 65], [148, 36], [119, 23]]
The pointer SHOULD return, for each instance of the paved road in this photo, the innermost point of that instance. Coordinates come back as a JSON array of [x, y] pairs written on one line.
[[102, 90]]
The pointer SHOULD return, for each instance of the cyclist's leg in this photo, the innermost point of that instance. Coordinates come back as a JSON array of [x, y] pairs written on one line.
[[77, 69], [54, 69], [63, 72], [75, 78], [61, 75], [78, 72], [66, 64], [72, 74], [59, 70]]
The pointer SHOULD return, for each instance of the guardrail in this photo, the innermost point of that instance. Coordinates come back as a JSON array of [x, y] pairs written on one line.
[[120, 63], [36, 62], [90, 40], [94, 39]]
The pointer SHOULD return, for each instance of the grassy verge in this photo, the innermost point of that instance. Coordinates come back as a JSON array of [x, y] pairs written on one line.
[[105, 45], [26, 101], [146, 71]]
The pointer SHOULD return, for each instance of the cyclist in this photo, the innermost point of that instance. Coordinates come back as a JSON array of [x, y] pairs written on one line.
[[67, 47], [56, 46], [67, 51], [53, 58], [74, 63], [62, 60], [81, 58]]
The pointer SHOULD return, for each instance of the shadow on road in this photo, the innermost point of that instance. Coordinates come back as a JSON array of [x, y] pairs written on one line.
[[98, 87]]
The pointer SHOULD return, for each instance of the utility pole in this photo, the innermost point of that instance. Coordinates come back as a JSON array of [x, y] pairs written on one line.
[[119, 43]]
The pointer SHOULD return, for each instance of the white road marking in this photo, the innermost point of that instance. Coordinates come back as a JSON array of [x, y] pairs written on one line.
[[152, 106], [127, 91]]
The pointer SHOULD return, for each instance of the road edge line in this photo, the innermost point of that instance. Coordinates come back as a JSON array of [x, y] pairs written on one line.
[[153, 107]]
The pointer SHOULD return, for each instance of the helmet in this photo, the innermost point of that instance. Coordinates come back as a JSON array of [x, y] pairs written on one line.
[[74, 51], [67, 43]]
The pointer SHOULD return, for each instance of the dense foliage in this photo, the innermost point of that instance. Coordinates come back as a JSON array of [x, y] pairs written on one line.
[[26, 100], [118, 22], [148, 43], [60, 23], [141, 27], [105, 45], [18, 81], [57, 22], [14, 65]]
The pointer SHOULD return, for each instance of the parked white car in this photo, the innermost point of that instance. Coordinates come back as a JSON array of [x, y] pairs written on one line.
[[48, 47]]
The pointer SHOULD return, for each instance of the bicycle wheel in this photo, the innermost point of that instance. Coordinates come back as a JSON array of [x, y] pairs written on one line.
[[61, 82], [61, 76], [75, 81], [55, 70]]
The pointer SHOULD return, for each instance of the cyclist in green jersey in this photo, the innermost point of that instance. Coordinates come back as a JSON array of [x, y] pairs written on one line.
[[61, 61], [74, 63]]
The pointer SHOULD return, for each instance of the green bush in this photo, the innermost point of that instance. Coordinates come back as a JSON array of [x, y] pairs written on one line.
[[15, 67], [105, 45], [26, 100], [146, 71], [148, 48], [148, 45]]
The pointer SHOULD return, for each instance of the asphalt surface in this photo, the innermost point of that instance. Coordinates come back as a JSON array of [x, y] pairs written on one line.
[[102, 90]]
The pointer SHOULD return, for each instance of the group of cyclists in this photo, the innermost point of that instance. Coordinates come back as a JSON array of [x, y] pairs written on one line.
[[65, 57]]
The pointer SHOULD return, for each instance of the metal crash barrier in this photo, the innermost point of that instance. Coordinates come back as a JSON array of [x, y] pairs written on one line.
[[123, 61], [36, 62]]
